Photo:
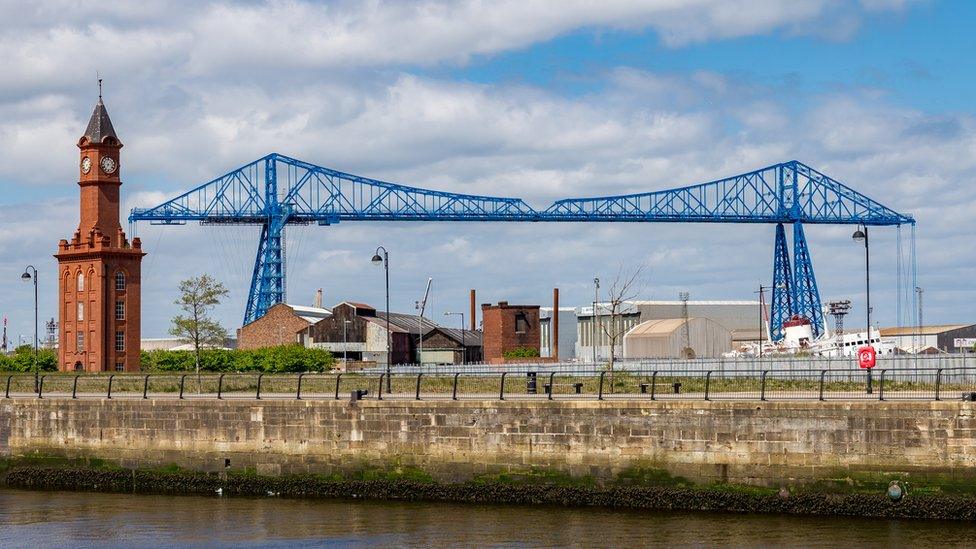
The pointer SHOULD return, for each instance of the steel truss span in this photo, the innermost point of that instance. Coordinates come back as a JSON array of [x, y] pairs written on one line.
[[276, 191]]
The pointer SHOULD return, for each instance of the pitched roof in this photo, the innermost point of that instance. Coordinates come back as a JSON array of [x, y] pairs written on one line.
[[309, 314], [100, 125], [924, 330]]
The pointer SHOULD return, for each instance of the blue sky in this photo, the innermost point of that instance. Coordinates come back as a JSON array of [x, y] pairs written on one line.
[[533, 99]]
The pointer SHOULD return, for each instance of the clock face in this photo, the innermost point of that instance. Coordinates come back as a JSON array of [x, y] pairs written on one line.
[[108, 165], [85, 165]]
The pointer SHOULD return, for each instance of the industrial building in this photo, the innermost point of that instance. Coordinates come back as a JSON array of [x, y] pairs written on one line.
[[567, 333], [930, 339], [674, 337], [507, 328], [357, 332], [280, 326], [740, 318]]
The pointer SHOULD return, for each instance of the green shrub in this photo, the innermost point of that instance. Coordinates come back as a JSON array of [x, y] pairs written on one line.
[[22, 360], [521, 352], [285, 358]]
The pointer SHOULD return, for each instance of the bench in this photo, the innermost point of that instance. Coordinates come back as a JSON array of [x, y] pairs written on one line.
[[676, 387], [577, 387]]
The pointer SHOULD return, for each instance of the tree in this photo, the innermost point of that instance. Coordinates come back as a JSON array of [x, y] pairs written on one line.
[[623, 289], [198, 296]]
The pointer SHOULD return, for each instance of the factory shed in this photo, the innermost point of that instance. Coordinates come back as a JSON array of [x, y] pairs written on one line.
[[665, 338]]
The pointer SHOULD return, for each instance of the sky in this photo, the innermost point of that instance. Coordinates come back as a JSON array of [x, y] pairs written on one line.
[[535, 99]]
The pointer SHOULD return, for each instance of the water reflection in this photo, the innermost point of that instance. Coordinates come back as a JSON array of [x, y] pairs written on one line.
[[39, 519]]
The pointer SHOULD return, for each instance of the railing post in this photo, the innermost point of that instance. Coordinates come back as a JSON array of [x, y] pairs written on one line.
[[454, 393], [7, 393], [298, 392], [881, 385], [40, 387], [938, 382], [552, 386], [823, 374], [708, 381], [417, 392], [110, 378], [182, 383], [501, 389], [220, 387], [379, 394], [338, 381], [257, 395], [762, 386], [600, 395], [653, 384], [74, 388], [145, 388]]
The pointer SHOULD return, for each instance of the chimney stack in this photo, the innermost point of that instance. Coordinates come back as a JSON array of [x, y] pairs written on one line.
[[318, 298], [474, 312], [554, 326]]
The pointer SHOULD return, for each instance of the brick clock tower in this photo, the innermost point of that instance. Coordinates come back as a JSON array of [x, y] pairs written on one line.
[[99, 268]]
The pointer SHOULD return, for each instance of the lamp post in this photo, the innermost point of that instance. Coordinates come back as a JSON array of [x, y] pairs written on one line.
[[28, 271], [596, 314], [345, 345], [464, 348], [385, 261], [861, 235]]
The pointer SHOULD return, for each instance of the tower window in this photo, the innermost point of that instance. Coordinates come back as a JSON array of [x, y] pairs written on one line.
[[80, 341], [119, 309], [120, 366], [521, 323], [120, 340], [120, 281], [81, 310], [81, 282]]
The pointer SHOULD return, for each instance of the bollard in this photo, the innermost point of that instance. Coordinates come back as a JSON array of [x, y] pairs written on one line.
[[531, 386], [110, 378], [358, 394], [145, 388], [501, 390]]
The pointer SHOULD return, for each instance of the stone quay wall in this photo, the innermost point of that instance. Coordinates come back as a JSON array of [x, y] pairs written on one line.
[[763, 444]]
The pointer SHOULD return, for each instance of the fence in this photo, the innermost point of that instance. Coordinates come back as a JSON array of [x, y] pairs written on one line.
[[778, 363], [651, 384]]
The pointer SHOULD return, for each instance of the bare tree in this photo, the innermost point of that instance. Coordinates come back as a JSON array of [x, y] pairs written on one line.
[[625, 287], [198, 296]]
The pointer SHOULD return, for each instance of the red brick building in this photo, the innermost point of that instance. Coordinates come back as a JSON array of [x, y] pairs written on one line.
[[507, 327], [99, 269], [283, 324]]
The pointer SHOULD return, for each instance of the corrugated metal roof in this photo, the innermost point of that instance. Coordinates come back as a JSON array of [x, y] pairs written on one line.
[[657, 327], [923, 330], [310, 314], [472, 338]]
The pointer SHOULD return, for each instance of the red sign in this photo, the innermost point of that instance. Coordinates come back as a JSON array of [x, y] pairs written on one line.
[[866, 357]]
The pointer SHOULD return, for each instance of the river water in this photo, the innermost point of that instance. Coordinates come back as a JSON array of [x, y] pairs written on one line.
[[46, 519]]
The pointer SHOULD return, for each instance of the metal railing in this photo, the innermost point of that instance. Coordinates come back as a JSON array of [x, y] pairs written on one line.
[[651, 384]]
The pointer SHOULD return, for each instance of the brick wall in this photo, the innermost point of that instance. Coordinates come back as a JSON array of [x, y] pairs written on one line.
[[279, 326], [503, 330]]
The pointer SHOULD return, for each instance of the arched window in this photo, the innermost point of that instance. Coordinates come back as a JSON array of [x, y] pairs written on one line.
[[81, 310], [81, 282], [120, 281]]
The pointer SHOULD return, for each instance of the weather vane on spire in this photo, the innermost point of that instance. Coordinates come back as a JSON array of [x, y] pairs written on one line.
[[99, 77]]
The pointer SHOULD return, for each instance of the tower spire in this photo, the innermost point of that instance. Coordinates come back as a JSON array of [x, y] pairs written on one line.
[[99, 77]]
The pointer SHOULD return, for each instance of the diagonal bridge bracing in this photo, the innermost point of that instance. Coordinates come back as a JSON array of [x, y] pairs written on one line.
[[276, 191]]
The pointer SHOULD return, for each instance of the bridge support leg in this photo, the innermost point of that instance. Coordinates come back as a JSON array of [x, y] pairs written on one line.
[[268, 279], [806, 295], [781, 307]]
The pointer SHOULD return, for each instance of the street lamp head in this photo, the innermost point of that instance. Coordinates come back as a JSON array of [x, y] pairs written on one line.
[[859, 236], [25, 276], [377, 259]]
